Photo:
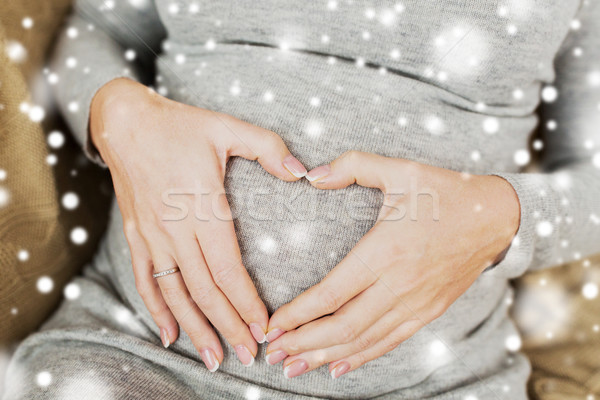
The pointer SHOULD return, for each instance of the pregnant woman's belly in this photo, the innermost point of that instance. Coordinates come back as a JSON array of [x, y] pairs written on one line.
[[291, 235]]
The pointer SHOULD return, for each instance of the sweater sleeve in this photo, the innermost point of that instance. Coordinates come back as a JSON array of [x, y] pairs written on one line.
[[102, 40], [560, 206]]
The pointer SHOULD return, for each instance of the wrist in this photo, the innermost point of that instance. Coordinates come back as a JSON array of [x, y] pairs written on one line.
[[503, 211], [111, 106]]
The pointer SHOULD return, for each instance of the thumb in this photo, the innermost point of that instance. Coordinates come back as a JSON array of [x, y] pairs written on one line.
[[254, 143], [364, 169]]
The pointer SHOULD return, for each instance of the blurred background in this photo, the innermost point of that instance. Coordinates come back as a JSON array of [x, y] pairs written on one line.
[[54, 206]]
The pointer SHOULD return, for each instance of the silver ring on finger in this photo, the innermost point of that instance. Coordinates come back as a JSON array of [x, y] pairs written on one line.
[[165, 273]]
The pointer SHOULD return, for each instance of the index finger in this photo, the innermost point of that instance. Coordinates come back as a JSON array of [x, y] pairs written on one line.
[[219, 244], [349, 278]]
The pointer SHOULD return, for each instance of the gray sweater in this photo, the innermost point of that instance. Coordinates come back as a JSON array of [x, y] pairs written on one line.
[[455, 84]]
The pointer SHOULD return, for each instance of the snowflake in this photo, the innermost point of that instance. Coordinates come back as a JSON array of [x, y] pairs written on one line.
[[27, 23], [521, 157], [79, 235], [544, 228], [70, 201], [43, 379], [45, 284]]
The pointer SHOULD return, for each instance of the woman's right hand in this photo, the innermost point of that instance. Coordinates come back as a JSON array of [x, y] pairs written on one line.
[[155, 147]]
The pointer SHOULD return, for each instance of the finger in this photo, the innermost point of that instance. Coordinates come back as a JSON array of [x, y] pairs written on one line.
[[254, 143], [384, 346], [349, 278], [219, 245], [147, 286], [211, 301], [191, 319], [365, 169], [315, 358], [345, 326]]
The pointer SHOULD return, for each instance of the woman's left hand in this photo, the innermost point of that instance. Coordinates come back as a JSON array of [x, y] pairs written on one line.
[[436, 233]]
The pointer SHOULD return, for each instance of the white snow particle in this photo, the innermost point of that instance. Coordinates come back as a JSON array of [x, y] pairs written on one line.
[[180, 59], [72, 32], [79, 235], [475, 155], [194, 8], [434, 125], [544, 228], [43, 379], [594, 78], [45, 284], [252, 393], [73, 106], [51, 159], [325, 39], [491, 125], [27, 22], [387, 17], [575, 24], [313, 128], [590, 290], [511, 29], [15, 51], [538, 144], [521, 157], [23, 255], [72, 291], [332, 5], [70, 200], [315, 102], [52, 79], [518, 94], [130, 55], [438, 348], [36, 113], [210, 44], [549, 94], [395, 54], [268, 245], [268, 96], [71, 62], [173, 8], [56, 139], [2, 174], [513, 343], [596, 160]]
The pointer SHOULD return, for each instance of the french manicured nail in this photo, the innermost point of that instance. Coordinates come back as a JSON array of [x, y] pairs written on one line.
[[274, 334], [294, 166], [340, 369], [276, 356], [210, 359], [258, 333], [164, 337], [318, 173], [244, 355], [296, 368]]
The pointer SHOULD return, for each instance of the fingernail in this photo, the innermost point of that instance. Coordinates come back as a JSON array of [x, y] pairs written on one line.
[[340, 369], [274, 334], [318, 173], [296, 368], [276, 356], [164, 337], [244, 355], [210, 359], [294, 166], [258, 333]]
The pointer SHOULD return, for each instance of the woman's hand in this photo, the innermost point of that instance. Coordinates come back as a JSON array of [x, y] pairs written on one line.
[[436, 232], [160, 151]]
